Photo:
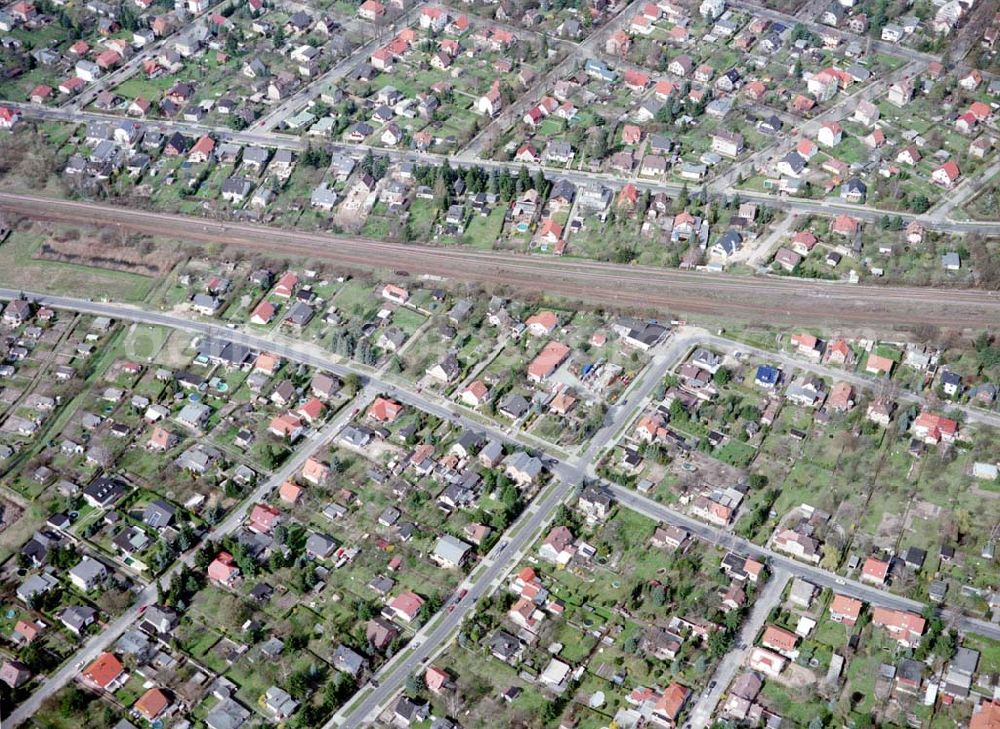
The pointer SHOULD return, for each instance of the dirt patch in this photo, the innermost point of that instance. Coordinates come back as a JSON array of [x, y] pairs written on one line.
[[847, 513], [924, 510], [177, 351], [655, 472], [888, 531], [795, 676], [709, 472], [10, 395], [108, 252], [379, 451], [9, 513]]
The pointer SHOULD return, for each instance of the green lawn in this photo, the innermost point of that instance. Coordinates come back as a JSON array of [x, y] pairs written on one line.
[[144, 341], [20, 270]]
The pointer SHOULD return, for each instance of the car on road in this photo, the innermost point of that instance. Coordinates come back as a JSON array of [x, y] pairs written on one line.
[[840, 581], [461, 595], [502, 547]]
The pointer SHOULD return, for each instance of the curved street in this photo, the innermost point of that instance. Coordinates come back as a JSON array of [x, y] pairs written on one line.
[[568, 473]]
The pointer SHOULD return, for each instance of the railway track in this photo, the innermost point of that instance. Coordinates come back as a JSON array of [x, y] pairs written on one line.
[[623, 286]]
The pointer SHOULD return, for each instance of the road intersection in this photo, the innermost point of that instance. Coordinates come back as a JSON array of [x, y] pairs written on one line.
[[266, 130], [568, 473], [935, 220], [103, 640]]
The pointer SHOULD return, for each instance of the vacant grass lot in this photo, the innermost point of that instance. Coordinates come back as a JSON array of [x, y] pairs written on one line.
[[20, 271]]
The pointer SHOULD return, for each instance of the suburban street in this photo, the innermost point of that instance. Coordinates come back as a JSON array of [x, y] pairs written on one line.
[[426, 643], [816, 575], [589, 47], [768, 598], [577, 177], [643, 288], [787, 361], [844, 107], [568, 474], [276, 116], [439, 68], [103, 640], [131, 66], [935, 219]]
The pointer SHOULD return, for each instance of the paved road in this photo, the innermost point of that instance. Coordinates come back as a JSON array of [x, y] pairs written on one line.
[[816, 575], [498, 562], [94, 647], [568, 473], [757, 254], [132, 65], [843, 107], [665, 358], [965, 191], [778, 299], [587, 48], [106, 638], [867, 382], [276, 140], [768, 597], [338, 71], [876, 45]]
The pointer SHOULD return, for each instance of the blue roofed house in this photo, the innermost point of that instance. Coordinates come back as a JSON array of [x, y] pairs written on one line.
[[951, 383], [854, 190], [767, 377], [599, 69], [727, 244]]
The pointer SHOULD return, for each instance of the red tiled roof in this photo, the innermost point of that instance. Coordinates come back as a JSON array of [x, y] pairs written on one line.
[[848, 607], [105, 669], [312, 410], [548, 360], [384, 410], [875, 568], [986, 715], [546, 320], [203, 146], [779, 639], [290, 492], [264, 311], [899, 620], [407, 603], [264, 516], [223, 568], [152, 703], [672, 701]]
